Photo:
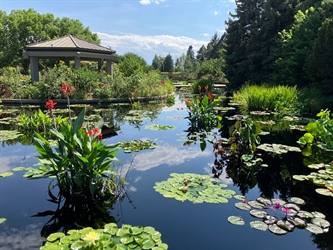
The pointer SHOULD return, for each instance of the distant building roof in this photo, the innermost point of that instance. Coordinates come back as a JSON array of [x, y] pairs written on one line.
[[70, 43]]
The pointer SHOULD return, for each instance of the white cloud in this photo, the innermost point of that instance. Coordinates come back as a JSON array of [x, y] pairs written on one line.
[[161, 155], [206, 34], [148, 46], [216, 12], [146, 2]]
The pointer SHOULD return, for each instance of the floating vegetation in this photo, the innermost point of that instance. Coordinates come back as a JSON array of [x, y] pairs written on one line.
[[323, 178], [160, 127], [236, 220], [6, 135], [6, 174], [277, 149], [137, 115], [136, 145], [2, 220], [194, 188], [289, 211], [111, 237], [260, 113]]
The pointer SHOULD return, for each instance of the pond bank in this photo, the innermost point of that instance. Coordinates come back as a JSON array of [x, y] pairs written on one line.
[[19, 102]]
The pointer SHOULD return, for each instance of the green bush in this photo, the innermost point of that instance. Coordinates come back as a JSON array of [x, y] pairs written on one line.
[[202, 83], [282, 99]]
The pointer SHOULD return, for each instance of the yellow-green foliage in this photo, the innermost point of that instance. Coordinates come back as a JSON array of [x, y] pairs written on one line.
[[277, 98]]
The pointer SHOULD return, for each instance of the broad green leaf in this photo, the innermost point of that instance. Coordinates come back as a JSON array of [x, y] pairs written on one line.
[[2, 220], [321, 222], [55, 236], [236, 220], [314, 228], [276, 230], [297, 200], [259, 225], [258, 213], [6, 174], [242, 206]]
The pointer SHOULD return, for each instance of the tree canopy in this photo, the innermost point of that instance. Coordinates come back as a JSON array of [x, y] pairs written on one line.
[[22, 27]]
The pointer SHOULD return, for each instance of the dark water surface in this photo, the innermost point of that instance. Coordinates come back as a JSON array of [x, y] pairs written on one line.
[[183, 225]]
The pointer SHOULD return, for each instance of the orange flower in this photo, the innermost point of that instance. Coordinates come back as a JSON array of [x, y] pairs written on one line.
[[199, 87], [206, 87]]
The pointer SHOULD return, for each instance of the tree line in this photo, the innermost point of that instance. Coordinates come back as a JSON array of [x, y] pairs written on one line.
[[22, 27]]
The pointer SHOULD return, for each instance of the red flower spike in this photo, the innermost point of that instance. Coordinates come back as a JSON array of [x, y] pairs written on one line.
[[199, 87], [50, 104]]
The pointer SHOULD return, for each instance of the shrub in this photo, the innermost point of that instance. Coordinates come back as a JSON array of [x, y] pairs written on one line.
[[283, 99]]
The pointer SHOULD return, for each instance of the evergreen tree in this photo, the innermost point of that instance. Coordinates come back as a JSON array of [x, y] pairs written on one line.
[[202, 54], [250, 38], [179, 64], [157, 62], [190, 62], [168, 64]]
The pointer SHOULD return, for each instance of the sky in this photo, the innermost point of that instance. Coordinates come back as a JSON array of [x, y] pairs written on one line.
[[144, 27]]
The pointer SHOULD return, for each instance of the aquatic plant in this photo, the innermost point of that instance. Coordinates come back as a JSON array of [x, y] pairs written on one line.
[[80, 162], [287, 215], [160, 127], [110, 237], [323, 178], [201, 114], [2, 220], [136, 145], [317, 142], [277, 149], [194, 188]]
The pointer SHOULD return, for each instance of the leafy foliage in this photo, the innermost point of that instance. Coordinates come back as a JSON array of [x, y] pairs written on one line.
[[110, 237], [136, 145], [290, 211], [80, 162], [194, 188]]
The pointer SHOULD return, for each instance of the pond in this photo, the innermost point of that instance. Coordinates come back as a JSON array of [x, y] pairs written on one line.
[[183, 225]]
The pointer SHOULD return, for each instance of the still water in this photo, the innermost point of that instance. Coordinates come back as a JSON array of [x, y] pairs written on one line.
[[183, 225]]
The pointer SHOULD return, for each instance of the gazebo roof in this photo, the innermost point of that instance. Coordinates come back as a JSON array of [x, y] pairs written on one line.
[[69, 43]]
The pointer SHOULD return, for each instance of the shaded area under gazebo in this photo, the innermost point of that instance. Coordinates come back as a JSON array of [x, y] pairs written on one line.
[[68, 48]]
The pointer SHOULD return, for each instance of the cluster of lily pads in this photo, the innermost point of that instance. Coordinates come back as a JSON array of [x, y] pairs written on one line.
[[277, 149], [160, 127], [195, 188], [323, 178], [279, 216], [136, 145], [110, 237]]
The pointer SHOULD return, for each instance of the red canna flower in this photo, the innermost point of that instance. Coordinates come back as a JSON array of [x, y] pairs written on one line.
[[89, 133], [50, 104], [206, 87], [66, 89], [199, 87]]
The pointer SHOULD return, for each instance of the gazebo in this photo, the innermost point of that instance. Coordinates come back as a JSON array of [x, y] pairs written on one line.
[[68, 48]]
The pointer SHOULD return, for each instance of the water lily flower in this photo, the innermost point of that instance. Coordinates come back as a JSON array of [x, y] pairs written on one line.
[[286, 210], [277, 205]]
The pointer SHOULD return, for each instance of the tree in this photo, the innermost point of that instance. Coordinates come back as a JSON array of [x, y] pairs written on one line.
[[319, 64], [131, 63], [157, 62], [189, 64], [179, 64], [202, 54], [22, 27], [250, 38], [168, 64]]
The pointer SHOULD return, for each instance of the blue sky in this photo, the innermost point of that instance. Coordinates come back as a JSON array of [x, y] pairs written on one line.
[[144, 27]]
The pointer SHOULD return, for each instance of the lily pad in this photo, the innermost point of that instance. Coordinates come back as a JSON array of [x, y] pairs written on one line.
[[275, 229], [270, 220], [264, 201], [292, 206], [285, 225], [305, 214], [194, 188], [258, 213], [239, 197], [259, 225], [297, 200], [298, 222], [242, 206], [236, 220], [324, 191], [314, 228], [160, 127], [18, 169], [2, 220], [321, 222], [255, 204], [136, 145], [6, 174], [317, 214]]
